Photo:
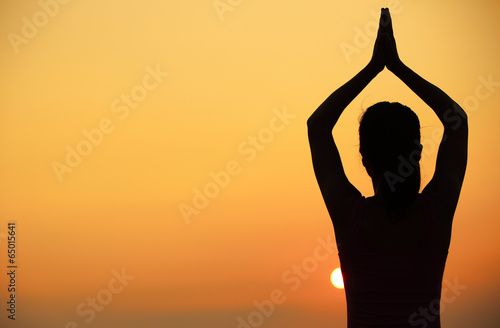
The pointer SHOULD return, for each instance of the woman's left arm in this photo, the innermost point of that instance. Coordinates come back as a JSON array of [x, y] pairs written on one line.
[[336, 189]]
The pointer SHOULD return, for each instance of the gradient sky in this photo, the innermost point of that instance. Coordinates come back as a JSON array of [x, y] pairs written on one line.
[[160, 97]]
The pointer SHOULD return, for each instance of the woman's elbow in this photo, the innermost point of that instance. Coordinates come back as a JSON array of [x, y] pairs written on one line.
[[316, 123], [455, 119], [311, 120], [314, 127]]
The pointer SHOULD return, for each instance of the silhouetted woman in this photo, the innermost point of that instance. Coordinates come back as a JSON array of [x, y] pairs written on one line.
[[392, 246]]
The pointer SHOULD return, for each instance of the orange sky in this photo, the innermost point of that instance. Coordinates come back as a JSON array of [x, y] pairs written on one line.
[[116, 115]]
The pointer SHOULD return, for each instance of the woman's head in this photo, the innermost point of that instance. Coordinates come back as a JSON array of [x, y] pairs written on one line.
[[389, 143]]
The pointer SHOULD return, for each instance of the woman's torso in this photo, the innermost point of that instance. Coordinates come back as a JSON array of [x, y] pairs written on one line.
[[391, 270]]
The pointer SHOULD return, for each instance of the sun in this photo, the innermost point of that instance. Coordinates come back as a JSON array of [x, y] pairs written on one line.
[[336, 279]]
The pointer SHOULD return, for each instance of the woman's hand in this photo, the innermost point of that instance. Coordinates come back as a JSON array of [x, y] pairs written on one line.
[[378, 61], [392, 61]]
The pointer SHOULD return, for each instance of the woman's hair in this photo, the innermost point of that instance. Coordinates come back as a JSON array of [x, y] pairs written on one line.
[[389, 143]]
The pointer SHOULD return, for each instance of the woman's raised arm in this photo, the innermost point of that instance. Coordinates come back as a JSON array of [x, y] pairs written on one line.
[[338, 193], [444, 187]]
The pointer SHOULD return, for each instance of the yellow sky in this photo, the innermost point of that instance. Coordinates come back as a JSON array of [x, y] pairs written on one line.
[[145, 105]]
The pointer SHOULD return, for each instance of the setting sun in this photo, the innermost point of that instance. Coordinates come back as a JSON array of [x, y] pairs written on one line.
[[336, 278]]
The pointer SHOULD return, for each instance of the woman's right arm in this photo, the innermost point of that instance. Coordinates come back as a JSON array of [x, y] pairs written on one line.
[[444, 187]]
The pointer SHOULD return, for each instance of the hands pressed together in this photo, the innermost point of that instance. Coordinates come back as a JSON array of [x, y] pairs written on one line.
[[385, 53]]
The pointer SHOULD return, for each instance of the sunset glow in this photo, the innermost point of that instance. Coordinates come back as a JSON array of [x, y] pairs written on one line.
[[154, 156]]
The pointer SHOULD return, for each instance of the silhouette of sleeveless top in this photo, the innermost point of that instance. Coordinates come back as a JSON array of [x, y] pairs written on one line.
[[393, 289]]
